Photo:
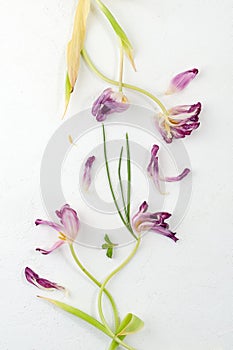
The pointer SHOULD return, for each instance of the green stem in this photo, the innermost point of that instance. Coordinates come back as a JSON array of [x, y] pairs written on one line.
[[89, 275], [120, 181], [129, 177], [113, 273], [116, 83], [111, 187]]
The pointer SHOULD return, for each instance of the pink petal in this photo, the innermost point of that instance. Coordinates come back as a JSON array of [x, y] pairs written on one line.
[[70, 221], [55, 226], [182, 80], [55, 246], [184, 173]]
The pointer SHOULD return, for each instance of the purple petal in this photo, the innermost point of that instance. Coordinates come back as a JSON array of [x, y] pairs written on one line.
[[70, 221], [55, 226], [189, 110], [143, 221], [55, 246], [184, 173], [165, 232], [109, 102], [41, 283], [59, 212], [30, 275], [87, 172], [153, 167], [101, 100], [182, 80], [143, 207]]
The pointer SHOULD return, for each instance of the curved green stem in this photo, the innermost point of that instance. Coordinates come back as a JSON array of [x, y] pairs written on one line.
[[89, 275], [113, 273], [92, 66]]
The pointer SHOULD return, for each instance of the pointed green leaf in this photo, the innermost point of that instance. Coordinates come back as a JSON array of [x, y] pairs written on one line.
[[107, 239], [78, 313], [119, 32], [68, 92], [131, 324]]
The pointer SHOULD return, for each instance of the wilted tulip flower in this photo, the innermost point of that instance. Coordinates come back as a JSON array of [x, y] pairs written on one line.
[[68, 229]]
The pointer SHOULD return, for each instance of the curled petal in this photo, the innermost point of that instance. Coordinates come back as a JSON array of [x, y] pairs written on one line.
[[145, 221], [55, 226], [184, 173], [39, 282], [87, 172], [109, 102], [181, 80], [54, 247], [180, 122], [185, 111], [153, 167], [165, 232]]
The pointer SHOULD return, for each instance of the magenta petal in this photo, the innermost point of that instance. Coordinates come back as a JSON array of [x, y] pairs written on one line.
[[42, 283], [55, 226], [184, 173], [55, 246], [87, 172], [143, 207], [165, 232], [182, 80]]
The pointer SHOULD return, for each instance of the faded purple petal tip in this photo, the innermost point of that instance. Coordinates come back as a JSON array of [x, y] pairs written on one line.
[[143, 207], [184, 173], [54, 247], [87, 172], [182, 80]]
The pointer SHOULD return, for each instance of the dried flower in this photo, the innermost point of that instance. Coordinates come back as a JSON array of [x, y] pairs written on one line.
[[68, 229], [109, 102], [180, 121], [143, 221]]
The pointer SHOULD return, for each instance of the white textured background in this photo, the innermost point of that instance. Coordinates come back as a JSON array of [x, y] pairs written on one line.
[[183, 292]]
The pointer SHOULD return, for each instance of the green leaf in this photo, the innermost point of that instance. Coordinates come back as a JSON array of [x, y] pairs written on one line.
[[68, 92], [109, 245], [78, 313], [109, 252], [107, 239], [119, 32], [131, 324]]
